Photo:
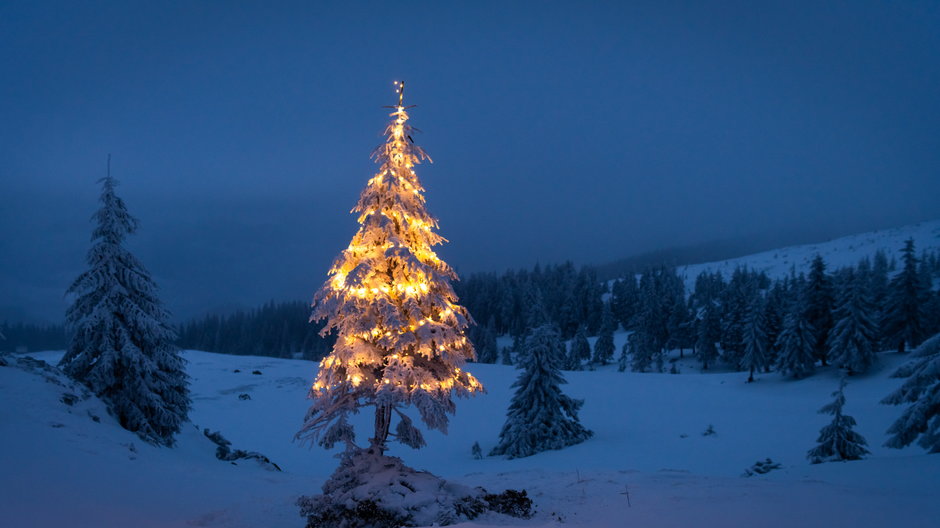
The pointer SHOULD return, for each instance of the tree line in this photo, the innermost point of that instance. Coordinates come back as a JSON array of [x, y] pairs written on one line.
[[275, 329], [279, 329], [746, 322], [28, 336]]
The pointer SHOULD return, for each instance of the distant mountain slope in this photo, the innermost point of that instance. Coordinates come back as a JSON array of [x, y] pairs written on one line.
[[837, 253], [710, 251]]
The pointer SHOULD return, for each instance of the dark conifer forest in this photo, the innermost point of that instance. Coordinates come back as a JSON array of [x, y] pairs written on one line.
[[736, 322]]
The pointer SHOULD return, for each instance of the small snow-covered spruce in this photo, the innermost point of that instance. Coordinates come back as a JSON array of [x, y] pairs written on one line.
[[796, 344], [540, 416], [122, 343], [922, 392], [755, 337], [853, 338], [837, 441], [400, 332]]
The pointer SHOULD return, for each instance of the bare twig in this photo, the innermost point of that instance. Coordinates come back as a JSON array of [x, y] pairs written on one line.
[[626, 491]]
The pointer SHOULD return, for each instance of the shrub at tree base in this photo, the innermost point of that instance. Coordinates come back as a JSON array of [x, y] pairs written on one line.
[[761, 467], [378, 491], [225, 452]]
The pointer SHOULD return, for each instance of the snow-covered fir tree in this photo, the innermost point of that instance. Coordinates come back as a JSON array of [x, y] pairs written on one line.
[[604, 345], [642, 351], [921, 393], [650, 324], [756, 343], [903, 317], [679, 326], [796, 344], [580, 350], [659, 294], [734, 310], [625, 300], [505, 355], [854, 337], [930, 307], [622, 359], [400, 332], [122, 343], [707, 333], [819, 301], [540, 416], [774, 313], [932, 313], [837, 441], [534, 303], [489, 349], [590, 290]]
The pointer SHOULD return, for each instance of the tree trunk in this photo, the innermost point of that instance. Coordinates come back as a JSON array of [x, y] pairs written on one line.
[[383, 418]]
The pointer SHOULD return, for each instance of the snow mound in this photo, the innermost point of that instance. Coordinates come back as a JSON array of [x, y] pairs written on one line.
[[377, 491], [65, 461]]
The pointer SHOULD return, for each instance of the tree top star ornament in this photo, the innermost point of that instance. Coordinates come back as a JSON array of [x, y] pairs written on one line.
[[400, 332]]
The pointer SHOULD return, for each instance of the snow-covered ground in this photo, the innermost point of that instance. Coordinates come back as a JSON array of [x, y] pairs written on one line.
[[647, 466], [837, 253]]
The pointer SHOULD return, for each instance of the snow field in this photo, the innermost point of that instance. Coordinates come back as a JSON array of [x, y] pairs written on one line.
[[61, 467]]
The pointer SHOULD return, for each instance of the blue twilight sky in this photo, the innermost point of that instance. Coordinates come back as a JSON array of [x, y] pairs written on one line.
[[586, 131]]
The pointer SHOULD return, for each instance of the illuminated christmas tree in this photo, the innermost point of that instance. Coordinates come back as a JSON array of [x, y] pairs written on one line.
[[400, 342], [400, 330]]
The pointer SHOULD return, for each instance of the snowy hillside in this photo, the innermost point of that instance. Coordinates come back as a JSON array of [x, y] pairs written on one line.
[[837, 253], [648, 464]]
